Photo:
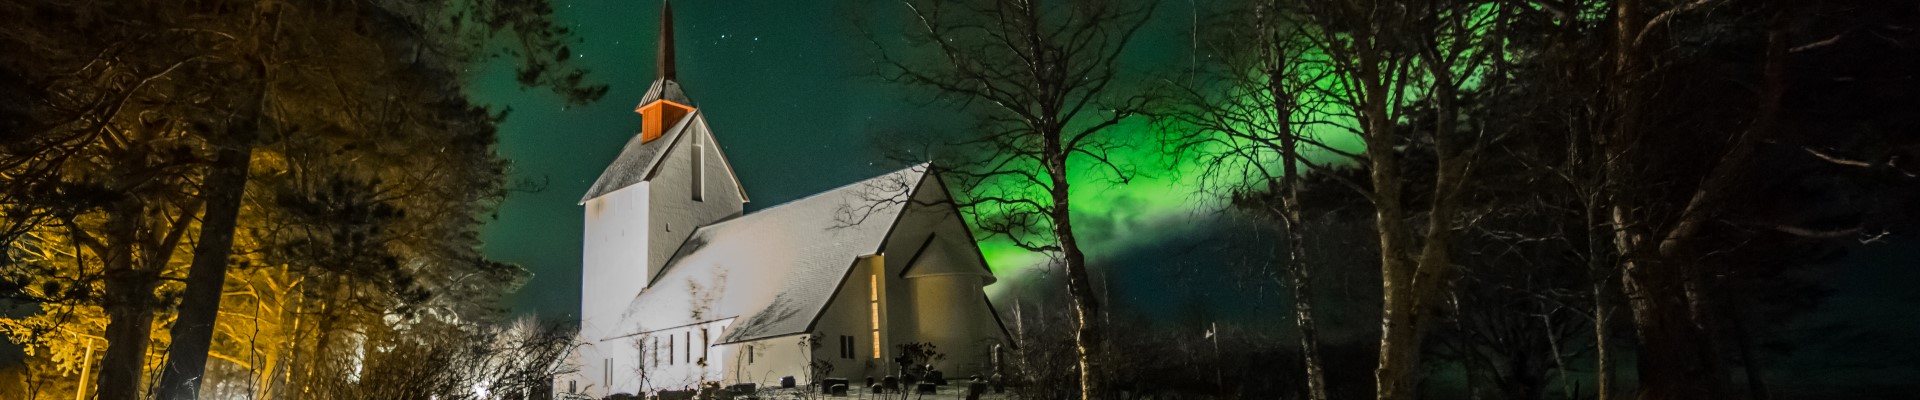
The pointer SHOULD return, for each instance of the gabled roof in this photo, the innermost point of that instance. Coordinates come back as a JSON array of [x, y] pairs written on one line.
[[774, 269], [639, 159]]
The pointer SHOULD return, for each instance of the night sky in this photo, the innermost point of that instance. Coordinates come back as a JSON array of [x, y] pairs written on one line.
[[788, 89]]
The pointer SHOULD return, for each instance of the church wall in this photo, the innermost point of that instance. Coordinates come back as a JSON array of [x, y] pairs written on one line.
[[772, 359], [611, 257], [950, 307], [951, 313], [612, 268], [679, 358], [849, 315], [906, 240], [675, 211]]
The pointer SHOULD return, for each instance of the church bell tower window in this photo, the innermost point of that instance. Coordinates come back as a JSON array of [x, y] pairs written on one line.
[[699, 167]]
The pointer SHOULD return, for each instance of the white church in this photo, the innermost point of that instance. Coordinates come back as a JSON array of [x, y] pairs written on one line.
[[680, 287]]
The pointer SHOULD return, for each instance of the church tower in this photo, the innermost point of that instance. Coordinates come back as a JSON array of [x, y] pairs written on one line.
[[669, 179]]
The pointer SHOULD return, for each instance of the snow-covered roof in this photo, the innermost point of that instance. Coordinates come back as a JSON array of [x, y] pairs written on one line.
[[776, 269], [636, 160]]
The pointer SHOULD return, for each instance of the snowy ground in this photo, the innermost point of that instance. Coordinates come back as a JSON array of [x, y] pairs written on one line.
[[949, 392]]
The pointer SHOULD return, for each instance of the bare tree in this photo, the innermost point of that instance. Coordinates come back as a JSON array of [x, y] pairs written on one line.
[[1395, 62], [1245, 122], [1665, 290], [1044, 81]]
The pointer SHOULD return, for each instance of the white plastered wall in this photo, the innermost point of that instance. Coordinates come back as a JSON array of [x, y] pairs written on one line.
[[773, 358], [612, 267], [675, 213], [681, 358]]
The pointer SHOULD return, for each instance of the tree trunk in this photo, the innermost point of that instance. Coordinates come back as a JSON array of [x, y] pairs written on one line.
[[1299, 272], [1670, 362], [1410, 286], [1089, 337], [128, 304], [224, 187], [1674, 357], [1602, 365], [1396, 364], [1301, 279], [1662, 285], [1602, 275], [1292, 215], [1302, 289]]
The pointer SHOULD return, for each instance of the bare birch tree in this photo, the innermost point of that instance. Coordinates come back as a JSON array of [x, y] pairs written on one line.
[[1247, 121], [1395, 62], [1044, 81]]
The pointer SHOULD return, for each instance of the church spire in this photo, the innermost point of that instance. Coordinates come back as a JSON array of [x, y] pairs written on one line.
[[665, 61], [664, 104]]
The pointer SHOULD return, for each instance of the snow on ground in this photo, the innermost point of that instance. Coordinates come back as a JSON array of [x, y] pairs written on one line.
[[949, 392]]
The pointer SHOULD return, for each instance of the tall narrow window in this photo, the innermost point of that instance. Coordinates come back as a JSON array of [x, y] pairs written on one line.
[[670, 349], [999, 356], [749, 355], [699, 167], [689, 346], [873, 305], [703, 343]]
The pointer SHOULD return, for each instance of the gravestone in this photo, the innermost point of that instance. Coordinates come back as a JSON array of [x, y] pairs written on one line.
[[826, 385], [976, 389]]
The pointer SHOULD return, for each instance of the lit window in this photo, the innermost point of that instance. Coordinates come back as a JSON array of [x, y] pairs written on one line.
[[873, 305]]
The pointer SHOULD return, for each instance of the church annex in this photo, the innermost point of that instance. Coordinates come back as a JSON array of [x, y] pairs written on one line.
[[680, 287]]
